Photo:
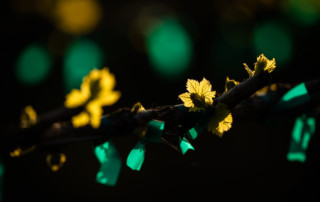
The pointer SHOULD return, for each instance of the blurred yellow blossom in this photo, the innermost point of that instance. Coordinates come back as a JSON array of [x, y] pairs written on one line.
[[28, 117], [56, 166], [95, 92], [77, 16], [81, 119], [95, 110], [16, 152], [221, 121], [199, 96], [20, 152], [262, 64]]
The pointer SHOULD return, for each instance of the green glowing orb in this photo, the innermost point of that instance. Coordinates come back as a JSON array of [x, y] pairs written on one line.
[[33, 65], [304, 12], [81, 57], [274, 41], [169, 48], [1, 169]]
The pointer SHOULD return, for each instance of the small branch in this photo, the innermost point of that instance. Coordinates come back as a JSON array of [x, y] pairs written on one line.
[[58, 115], [244, 89]]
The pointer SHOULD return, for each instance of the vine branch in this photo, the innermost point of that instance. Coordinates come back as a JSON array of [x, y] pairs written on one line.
[[54, 128]]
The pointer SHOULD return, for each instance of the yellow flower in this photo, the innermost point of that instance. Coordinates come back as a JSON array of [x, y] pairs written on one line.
[[262, 64], [28, 117], [230, 83], [221, 121], [199, 96], [95, 92]]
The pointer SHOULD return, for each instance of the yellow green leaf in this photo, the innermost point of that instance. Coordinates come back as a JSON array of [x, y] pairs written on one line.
[[199, 95], [221, 121], [264, 64], [137, 107], [230, 83], [250, 72], [193, 86], [185, 97]]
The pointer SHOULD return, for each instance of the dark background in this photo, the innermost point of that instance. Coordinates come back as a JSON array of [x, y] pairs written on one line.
[[248, 163]]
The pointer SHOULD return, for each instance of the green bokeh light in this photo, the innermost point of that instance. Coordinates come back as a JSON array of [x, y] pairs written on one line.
[[304, 128], [301, 157], [274, 41], [154, 131], [136, 156], [1, 178], [110, 162], [1, 169], [303, 11], [169, 48], [81, 57], [185, 145], [294, 97], [193, 133], [33, 65]]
